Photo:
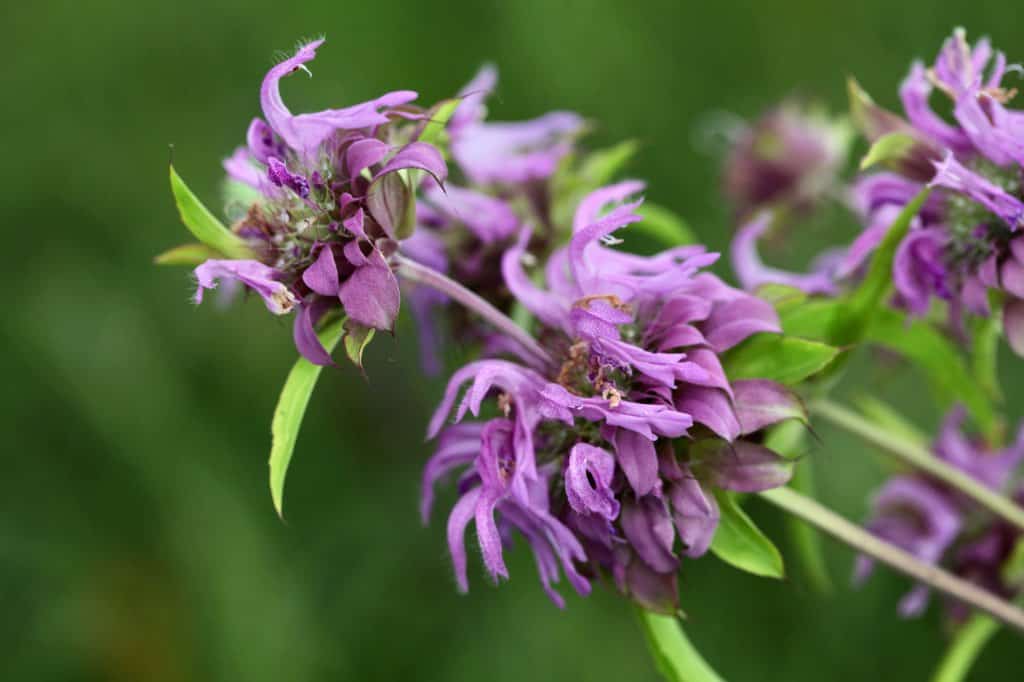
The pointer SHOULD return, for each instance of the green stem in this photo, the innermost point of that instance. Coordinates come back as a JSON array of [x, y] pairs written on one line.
[[677, 659], [921, 459], [412, 271], [967, 644], [864, 542]]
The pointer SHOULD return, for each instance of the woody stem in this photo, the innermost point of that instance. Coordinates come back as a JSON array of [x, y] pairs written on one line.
[[921, 459], [864, 542], [412, 271]]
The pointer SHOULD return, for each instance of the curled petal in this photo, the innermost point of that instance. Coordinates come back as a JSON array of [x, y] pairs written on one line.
[[421, 156], [914, 92], [305, 132], [472, 109], [462, 514], [760, 403], [458, 446], [487, 217], [260, 278], [304, 333], [746, 467], [240, 167], [322, 275], [753, 273], [515, 152], [370, 295], [588, 478], [919, 269], [548, 308], [364, 153], [648, 527], [695, 514], [637, 459], [953, 175]]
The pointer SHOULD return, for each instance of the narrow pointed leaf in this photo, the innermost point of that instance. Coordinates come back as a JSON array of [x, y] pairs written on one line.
[[887, 149], [203, 224], [965, 648], [392, 204], [434, 129], [786, 359], [663, 225], [357, 338], [856, 313], [291, 407], [674, 655], [740, 543], [186, 254], [760, 403]]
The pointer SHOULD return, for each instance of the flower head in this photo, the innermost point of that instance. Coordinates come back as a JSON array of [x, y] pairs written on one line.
[[939, 525], [605, 457], [334, 193], [962, 241], [791, 155], [502, 179]]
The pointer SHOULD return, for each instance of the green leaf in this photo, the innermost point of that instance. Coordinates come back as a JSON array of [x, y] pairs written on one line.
[[576, 177], [186, 254], [675, 656], [786, 359], [291, 407], [872, 120], [434, 129], [357, 338], [663, 225], [203, 224], [812, 319], [602, 165], [888, 150], [856, 313], [740, 543], [939, 360], [392, 204], [967, 644]]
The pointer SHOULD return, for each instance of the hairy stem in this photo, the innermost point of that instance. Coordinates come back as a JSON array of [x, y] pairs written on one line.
[[894, 557], [421, 274], [921, 459]]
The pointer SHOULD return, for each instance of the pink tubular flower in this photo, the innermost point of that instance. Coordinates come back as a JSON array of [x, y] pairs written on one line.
[[585, 457], [334, 196]]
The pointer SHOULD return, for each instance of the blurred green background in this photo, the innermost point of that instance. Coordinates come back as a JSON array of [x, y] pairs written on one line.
[[137, 537]]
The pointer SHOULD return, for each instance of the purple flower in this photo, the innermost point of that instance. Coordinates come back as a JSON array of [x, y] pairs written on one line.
[[941, 526], [636, 340], [789, 156], [509, 153], [753, 273], [258, 277], [332, 203], [973, 161]]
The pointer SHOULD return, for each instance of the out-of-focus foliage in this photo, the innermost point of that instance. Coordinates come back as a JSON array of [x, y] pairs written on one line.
[[137, 540]]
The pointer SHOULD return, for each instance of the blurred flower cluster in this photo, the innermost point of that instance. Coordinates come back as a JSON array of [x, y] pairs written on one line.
[[962, 247], [936, 523]]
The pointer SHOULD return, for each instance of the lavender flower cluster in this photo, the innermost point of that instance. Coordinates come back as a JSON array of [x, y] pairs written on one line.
[[599, 420]]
